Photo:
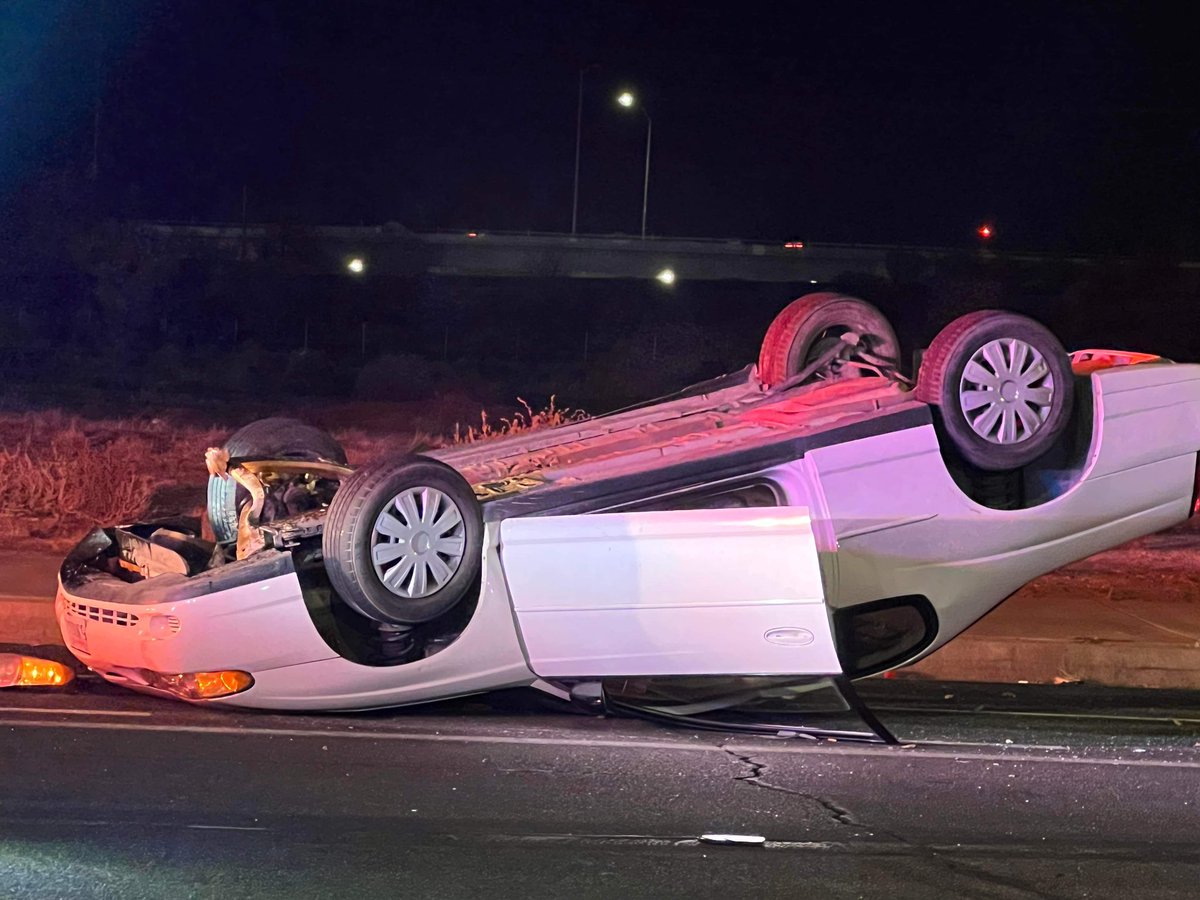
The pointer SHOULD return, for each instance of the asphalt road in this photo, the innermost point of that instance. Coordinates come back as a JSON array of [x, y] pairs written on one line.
[[1007, 791]]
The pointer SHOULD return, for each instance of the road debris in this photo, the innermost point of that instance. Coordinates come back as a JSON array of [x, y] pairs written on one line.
[[741, 840]]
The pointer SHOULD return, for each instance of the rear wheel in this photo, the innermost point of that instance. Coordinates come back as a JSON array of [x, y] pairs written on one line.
[[1002, 385], [274, 438], [403, 540], [807, 328]]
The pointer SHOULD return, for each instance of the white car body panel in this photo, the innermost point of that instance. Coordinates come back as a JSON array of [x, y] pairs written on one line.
[[263, 625], [487, 656], [696, 592], [1144, 414]]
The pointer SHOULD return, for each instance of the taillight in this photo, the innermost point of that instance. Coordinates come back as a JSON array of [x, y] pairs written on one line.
[[29, 671], [1196, 490]]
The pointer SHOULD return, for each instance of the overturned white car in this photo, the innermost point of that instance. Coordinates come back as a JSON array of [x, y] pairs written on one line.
[[816, 515]]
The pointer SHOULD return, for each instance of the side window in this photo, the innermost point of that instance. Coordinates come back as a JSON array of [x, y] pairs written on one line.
[[723, 496]]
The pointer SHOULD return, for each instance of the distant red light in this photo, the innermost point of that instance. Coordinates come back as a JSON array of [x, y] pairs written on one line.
[[472, 234], [984, 231], [794, 245]]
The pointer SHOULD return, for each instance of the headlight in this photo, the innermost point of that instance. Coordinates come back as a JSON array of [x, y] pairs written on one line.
[[201, 685]]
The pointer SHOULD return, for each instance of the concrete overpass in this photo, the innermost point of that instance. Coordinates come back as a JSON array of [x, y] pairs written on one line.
[[394, 250]]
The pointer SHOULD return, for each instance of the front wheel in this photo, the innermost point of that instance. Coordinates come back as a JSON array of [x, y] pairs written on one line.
[[403, 540], [1002, 385]]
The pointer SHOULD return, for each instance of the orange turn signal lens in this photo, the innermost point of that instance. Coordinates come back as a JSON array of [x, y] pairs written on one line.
[[29, 671], [201, 685]]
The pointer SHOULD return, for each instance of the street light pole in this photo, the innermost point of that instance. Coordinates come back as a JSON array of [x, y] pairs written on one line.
[[578, 141], [628, 100], [646, 182], [578, 145]]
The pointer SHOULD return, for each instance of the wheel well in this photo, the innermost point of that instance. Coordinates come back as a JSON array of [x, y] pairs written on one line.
[[361, 640], [1049, 476]]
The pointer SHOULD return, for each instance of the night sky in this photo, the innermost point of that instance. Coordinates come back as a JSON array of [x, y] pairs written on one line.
[[1070, 126]]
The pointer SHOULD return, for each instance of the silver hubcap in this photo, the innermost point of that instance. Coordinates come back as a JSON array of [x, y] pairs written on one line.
[[1007, 391], [417, 543]]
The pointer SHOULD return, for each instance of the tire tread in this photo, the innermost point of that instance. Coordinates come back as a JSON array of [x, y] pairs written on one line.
[[948, 354], [791, 322]]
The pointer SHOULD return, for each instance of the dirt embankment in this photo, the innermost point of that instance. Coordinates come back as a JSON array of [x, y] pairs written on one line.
[[1163, 566]]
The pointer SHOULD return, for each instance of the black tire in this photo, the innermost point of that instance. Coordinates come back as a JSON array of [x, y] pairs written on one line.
[[1037, 406], [350, 540], [805, 327], [274, 438]]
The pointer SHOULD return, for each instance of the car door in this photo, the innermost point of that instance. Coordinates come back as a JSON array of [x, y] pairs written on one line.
[[689, 592]]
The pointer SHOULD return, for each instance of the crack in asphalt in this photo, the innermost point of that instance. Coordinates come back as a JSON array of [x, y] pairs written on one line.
[[843, 816], [754, 776]]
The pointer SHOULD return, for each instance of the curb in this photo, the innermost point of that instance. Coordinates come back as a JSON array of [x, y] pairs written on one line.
[[28, 620], [1113, 663]]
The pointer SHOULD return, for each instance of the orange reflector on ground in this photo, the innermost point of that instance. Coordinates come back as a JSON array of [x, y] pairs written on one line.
[[29, 671], [201, 685]]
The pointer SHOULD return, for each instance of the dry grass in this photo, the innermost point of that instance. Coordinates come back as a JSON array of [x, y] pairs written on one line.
[[61, 475], [548, 416]]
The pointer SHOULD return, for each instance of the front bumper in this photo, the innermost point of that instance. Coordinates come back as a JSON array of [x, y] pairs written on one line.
[[130, 633]]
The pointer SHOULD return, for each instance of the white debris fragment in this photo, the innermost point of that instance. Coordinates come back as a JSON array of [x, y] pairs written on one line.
[[746, 840]]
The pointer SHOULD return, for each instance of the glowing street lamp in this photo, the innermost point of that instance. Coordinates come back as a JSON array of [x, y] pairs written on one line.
[[629, 101], [356, 265], [666, 276]]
